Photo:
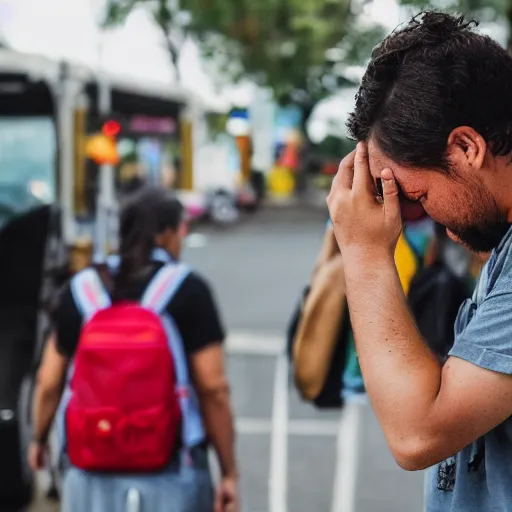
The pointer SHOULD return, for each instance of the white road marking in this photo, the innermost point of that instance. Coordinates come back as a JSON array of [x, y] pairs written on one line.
[[313, 428], [257, 426], [347, 457], [278, 481], [252, 426], [255, 344], [196, 241]]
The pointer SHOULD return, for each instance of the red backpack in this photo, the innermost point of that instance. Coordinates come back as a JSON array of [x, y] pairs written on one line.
[[124, 413]]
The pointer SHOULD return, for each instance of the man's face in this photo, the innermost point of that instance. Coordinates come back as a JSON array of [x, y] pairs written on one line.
[[461, 202]]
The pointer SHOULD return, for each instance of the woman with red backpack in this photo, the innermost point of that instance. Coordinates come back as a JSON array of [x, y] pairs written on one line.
[[135, 380]]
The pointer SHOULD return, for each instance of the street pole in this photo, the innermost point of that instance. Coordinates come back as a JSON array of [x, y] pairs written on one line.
[[65, 98], [105, 202]]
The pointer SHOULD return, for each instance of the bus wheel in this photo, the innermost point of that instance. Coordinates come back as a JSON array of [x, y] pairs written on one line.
[[25, 429], [16, 478]]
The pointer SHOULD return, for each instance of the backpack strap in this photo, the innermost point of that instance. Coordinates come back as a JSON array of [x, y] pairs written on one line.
[[157, 296], [89, 292], [163, 286]]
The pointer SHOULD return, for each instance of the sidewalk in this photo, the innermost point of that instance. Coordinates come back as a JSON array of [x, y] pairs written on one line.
[[381, 485]]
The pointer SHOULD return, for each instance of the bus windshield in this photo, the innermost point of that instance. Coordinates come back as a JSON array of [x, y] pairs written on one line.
[[27, 164]]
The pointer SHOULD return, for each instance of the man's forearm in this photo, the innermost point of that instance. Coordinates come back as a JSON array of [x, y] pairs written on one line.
[[401, 374], [218, 421]]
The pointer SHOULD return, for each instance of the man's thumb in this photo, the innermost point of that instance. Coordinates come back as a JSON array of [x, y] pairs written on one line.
[[390, 193]]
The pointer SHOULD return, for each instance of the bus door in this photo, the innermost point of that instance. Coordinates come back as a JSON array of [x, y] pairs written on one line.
[[28, 186]]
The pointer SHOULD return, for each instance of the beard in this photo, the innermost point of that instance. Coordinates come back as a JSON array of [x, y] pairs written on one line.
[[481, 239], [484, 225], [484, 233]]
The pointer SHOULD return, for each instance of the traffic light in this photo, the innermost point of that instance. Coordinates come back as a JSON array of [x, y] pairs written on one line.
[[101, 147], [111, 128]]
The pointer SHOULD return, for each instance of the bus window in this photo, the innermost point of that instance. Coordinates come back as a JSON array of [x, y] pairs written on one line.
[[149, 153], [149, 160], [27, 164]]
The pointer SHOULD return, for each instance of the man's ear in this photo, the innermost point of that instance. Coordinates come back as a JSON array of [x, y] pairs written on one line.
[[466, 148]]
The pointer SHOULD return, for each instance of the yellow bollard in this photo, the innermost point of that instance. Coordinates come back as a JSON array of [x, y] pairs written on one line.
[[281, 182]]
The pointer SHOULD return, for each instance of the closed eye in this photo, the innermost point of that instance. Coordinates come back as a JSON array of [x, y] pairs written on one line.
[[417, 199], [412, 197]]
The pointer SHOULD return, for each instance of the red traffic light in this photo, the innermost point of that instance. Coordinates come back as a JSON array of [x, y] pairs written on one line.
[[111, 128]]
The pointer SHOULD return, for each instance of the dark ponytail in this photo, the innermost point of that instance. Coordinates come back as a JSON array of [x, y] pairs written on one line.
[[145, 214]]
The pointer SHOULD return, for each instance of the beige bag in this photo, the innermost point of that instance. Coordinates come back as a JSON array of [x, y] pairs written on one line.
[[318, 329]]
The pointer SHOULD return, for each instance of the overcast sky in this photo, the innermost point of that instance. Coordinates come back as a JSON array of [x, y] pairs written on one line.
[[68, 29]]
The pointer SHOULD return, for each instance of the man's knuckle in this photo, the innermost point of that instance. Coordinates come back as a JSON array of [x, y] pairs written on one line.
[[347, 161], [333, 205]]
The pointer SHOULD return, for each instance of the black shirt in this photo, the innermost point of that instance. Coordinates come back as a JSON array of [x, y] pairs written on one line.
[[192, 308]]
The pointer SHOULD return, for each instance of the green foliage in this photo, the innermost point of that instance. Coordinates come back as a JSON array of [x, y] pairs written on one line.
[[332, 147], [279, 43], [487, 10], [481, 10], [118, 11], [358, 44], [216, 124], [164, 15]]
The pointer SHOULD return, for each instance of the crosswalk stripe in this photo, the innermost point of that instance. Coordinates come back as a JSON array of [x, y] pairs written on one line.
[[347, 459], [278, 481], [263, 344], [196, 241], [257, 426]]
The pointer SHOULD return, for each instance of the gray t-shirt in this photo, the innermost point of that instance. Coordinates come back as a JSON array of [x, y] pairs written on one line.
[[479, 478]]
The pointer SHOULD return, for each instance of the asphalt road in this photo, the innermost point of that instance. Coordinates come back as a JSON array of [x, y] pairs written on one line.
[[292, 457]]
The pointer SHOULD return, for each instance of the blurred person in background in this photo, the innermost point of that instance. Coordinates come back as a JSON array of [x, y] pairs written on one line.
[[146, 271], [410, 254], [444, 142]]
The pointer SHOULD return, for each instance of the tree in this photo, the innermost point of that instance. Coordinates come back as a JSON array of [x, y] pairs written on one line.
[[281, 43], [481, 10], [167, 14], [278, 43]]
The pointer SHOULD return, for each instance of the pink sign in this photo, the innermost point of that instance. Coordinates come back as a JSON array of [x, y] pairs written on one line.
[[146, 124]]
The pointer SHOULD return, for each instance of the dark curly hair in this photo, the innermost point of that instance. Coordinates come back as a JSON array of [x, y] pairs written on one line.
[[425, 79]]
